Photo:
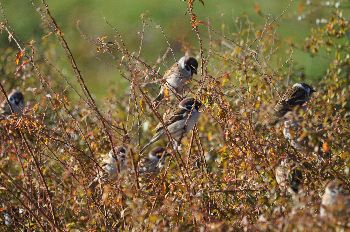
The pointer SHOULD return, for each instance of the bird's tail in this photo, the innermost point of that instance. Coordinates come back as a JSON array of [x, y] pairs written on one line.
[[153, 140], [273, 121], [94, 183], [276, 117]]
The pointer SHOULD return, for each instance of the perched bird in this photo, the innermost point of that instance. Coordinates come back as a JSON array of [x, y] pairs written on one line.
[[177, 77], [112, 165], [289, 176], [182, 121], [154, 162], [298, 95], [335, 204], [12, 216], [292, 131], [16, 100], [315, 141]]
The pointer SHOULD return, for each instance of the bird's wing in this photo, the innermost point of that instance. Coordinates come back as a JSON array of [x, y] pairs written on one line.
[[94, 183], [147, 165], [177, 116], [158, 99], [171, 71], [292, 97], [168, 75], [344, 190], [295, 96], [295, 178]]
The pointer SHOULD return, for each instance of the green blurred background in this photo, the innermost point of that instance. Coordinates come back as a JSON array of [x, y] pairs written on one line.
[[171, 15]]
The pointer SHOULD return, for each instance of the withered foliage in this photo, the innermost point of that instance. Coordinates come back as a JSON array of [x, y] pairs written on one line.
[[222, 179]]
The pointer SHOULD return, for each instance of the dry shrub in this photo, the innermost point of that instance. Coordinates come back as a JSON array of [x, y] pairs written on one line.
[[51, 153]]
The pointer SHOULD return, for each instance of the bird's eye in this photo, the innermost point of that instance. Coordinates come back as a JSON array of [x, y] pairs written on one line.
[[187, 67], [11, 99]]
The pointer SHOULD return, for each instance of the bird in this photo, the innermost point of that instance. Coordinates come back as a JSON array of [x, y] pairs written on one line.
[[291, 132], [12, 216], [154, 162], [335, 204], [177, 77], [16, 100], [297, 95], [289, 176], [181, 121], [294, 130], [112, 165]]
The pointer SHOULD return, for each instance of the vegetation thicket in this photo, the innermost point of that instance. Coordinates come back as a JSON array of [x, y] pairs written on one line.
[[222, 178]]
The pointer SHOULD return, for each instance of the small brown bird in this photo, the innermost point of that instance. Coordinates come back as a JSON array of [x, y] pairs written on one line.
[[292, 131], [177, 77], [154, 162], [298, 95], [182, 121], [289, 176], [112, 165], [335, 205], [16, 100]]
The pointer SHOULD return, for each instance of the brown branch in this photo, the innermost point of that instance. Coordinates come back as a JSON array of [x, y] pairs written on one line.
[[64, 44], [6, 97], [30, 199], [36, 163]]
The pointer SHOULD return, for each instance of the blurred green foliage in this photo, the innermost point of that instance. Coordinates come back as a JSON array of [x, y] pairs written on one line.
[[92, 15]]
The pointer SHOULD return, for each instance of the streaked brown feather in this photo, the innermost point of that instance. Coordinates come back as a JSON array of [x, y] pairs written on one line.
[[178, 115], [294, 96], [173, 69]]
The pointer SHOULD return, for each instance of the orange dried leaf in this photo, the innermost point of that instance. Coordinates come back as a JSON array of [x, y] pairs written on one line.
[[60, 33], [142, 105], [226, 75], [257, 8], [19, 56], [55, 103], [200, 22], [301, 7], [22, 66], [237, 50], [166, 92], [325, 147], [258, 34]]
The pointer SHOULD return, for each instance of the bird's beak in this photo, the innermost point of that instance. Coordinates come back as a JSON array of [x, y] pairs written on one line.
[[313, 90], [194, 70]]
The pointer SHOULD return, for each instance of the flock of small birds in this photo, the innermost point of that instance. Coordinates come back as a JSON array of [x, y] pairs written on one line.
[[335, 200]]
